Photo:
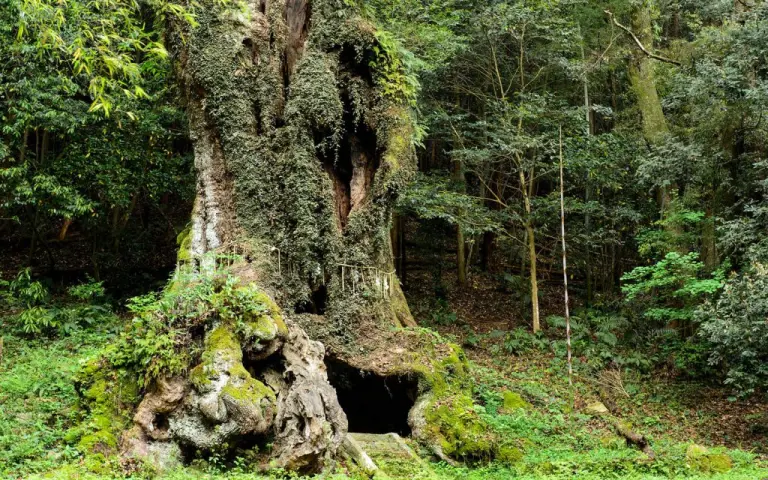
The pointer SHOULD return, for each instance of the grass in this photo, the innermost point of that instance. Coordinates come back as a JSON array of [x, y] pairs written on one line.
[[38, 404]]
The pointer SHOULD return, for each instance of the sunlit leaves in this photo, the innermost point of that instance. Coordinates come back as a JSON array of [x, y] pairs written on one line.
[[107, 41], [672, 288], [395, 69]]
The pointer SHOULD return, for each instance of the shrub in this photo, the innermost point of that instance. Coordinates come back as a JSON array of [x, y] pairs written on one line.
[[158, 341], [671, 289], [737, 328], [40, 314], [520, 341]]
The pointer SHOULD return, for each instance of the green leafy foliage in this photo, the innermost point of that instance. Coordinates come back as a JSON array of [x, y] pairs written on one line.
[[157, 342], [89, 129], [394, 68], [671, 289], [432, 197], [521, 340], [735, 324], [92, 135], [38, 400], [41, 314], [108, 43], [442, 314], [23, 291]]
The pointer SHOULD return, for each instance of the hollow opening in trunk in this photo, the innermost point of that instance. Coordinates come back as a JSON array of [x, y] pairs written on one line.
[[352, 165], [316, 303], [373, 403]]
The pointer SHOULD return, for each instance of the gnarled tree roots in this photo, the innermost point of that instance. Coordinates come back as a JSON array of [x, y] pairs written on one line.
[[286, 397]]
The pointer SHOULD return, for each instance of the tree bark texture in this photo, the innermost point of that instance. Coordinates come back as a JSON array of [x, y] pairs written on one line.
[[643, 80], [300, 149]]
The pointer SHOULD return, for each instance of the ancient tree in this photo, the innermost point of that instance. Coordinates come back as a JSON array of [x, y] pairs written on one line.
[[302, 138]]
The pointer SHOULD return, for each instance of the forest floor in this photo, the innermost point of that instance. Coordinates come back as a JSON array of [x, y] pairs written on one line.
[[664, 403], [559, 440]]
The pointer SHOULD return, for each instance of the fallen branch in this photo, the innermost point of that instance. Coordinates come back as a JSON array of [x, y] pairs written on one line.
[[632, 438], [639, 43]]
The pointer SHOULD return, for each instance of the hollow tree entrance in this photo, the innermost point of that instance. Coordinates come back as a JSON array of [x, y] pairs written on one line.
[[373, 403]]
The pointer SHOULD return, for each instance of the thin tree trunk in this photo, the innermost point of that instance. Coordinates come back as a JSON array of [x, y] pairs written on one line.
[[565, 265], [590, 119], [461, 257], [461, 254], [534, 278], [527, 188], [33, 243], [489, 238], [709, 253]]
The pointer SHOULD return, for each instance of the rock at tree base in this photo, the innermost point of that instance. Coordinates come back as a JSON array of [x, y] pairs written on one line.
[[701, 459], [391, 456]]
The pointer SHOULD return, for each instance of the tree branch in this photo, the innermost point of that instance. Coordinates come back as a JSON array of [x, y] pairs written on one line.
[[639, 43]]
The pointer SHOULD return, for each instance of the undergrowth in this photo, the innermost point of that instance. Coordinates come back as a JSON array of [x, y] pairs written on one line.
[[520, 393], [38, 405], [38, 401]]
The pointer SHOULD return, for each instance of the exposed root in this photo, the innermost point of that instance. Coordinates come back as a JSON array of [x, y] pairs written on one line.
[[310, 423], [222, 402], [164, 398]]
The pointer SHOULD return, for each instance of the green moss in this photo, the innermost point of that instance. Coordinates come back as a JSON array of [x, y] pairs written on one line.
[[265, 323], [399, 138], [513, 401], [440, 371], [274, 311], [98, 463], [699, 458], [221, 344], [460, 432], [99, 441], [184, 241], [509, 454], [97, 391], [262, 328], [315, 97], [107, 400], [452, 418], [249, 390], [199, 378]]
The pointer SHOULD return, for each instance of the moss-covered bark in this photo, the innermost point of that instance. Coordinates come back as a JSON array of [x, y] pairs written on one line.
[[642, 77], [301, 145], [299, 150]]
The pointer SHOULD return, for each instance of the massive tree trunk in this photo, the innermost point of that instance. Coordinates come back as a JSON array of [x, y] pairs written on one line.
[[300, 149], [643, 77]]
